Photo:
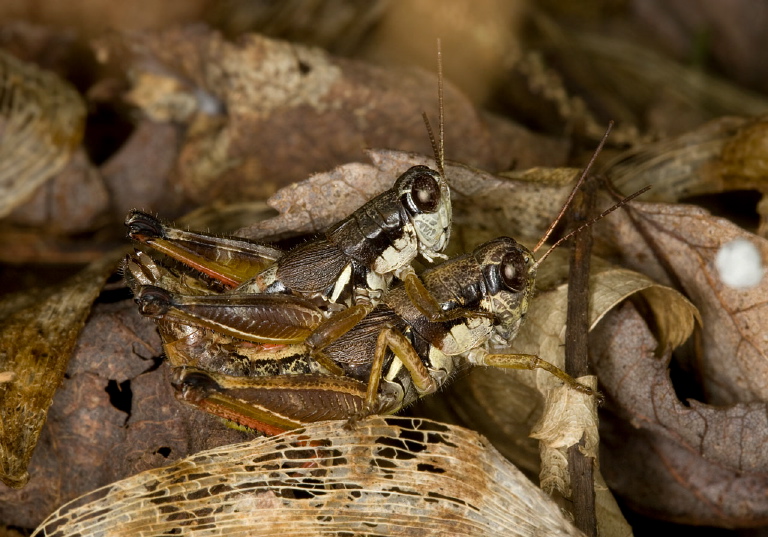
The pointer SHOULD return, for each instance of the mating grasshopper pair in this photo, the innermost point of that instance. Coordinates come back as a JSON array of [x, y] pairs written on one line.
[[272, 360], [319, 332]]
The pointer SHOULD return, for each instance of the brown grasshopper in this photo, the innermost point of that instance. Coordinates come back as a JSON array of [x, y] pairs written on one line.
[[392, 357], [344, 273]]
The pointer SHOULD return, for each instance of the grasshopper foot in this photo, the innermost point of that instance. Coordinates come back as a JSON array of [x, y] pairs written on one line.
[[193, 386], [143, 227], [153, 301], [589, 391]]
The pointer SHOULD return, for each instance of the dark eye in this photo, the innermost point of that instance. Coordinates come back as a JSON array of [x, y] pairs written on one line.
[[512, 271], [425, 193]]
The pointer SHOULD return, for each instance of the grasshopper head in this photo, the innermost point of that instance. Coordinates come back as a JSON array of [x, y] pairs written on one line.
[[509, 275], [426, 198]]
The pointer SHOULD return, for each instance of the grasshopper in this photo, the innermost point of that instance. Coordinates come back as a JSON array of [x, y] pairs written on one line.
[[392, 357], [344, 273]]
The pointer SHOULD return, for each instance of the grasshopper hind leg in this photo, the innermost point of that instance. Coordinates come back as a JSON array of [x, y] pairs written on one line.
[[229, 260]]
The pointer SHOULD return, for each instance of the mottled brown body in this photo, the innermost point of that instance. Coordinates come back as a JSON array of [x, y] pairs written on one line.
[[393, 356]]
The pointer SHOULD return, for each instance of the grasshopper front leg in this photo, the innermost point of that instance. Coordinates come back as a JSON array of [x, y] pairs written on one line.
[[428, 306], [529, 361]]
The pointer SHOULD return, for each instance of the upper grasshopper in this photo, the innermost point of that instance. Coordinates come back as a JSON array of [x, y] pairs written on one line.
[[345, 272]]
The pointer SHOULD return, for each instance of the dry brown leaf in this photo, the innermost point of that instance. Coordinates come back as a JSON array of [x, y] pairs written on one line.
[[678, 245], [42, 120], [38, 334], [137, 175], [262, 113], [728, 153], [519, 204], [393, 476], [690, 463], [74, 200], [114, 415]]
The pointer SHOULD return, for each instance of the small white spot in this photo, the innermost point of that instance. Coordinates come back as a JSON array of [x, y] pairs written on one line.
[[739, 264], [208, 103]]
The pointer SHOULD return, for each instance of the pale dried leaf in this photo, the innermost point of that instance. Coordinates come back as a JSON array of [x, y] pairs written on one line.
[[393, 476], [568, 417], [679, 244], [36, 340], [41, 120], [544, 331]]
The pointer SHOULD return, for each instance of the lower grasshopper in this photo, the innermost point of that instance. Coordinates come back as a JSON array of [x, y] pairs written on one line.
[[392, 357]]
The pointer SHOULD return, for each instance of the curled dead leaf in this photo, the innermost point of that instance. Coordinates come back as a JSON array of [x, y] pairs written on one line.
[[568, 416], [678, 244], [685, 462], [491, 402], [393, 476]]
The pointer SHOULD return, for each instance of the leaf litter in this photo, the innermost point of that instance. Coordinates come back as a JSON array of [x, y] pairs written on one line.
[[680, 234]]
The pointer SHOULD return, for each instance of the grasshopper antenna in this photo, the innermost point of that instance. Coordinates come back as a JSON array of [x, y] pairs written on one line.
[[575, 188], [439, 150], [589, 223]]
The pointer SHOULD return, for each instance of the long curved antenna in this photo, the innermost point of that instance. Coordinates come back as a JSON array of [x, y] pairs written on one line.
[[575, 188], [589, 223], [439, 150]]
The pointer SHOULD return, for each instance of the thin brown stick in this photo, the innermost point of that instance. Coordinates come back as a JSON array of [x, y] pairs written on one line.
[[580, 467]]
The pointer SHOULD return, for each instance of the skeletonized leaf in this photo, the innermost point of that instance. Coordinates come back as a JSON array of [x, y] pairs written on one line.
[[393, 476]]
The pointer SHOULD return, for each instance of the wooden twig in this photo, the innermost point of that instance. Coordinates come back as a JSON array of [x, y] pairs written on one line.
[[581, 468]]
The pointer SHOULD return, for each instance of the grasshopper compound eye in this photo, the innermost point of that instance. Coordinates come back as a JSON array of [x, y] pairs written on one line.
[[425, 193], [513, 271]]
